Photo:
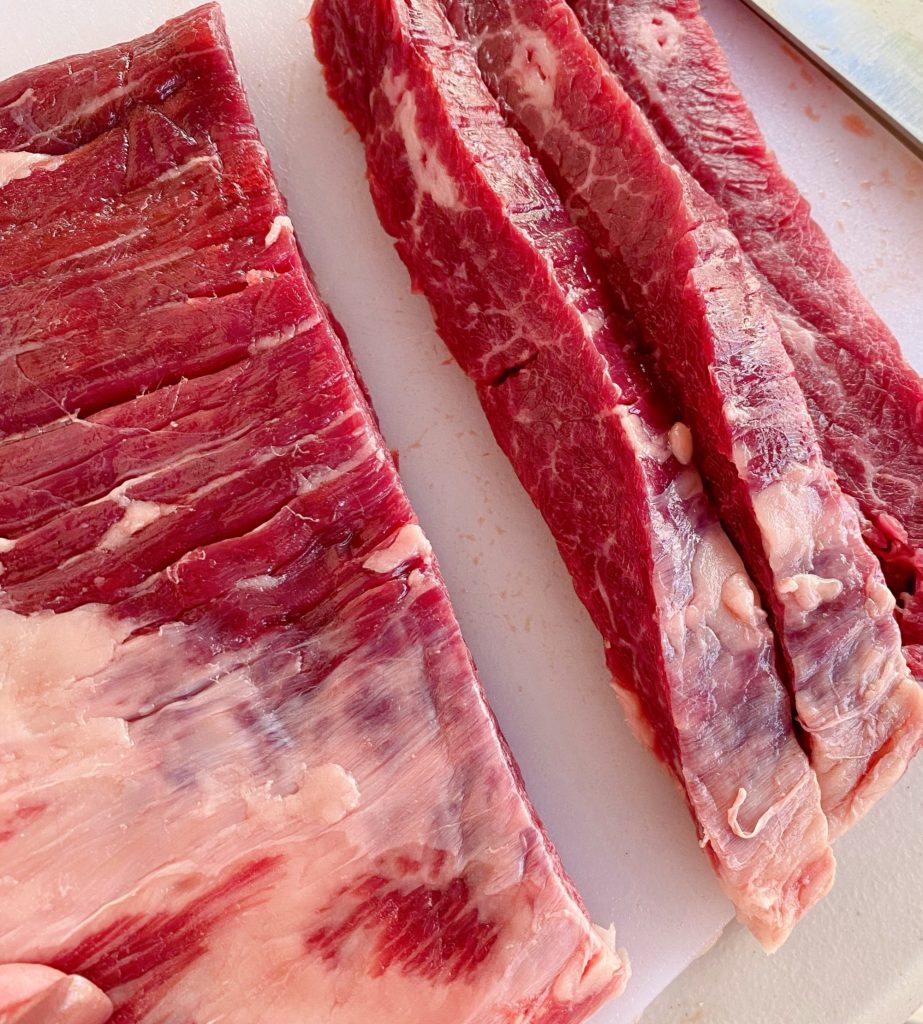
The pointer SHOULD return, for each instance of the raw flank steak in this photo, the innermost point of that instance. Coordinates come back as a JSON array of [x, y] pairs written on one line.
[[864, 398], [672, 260], [247, 768], [487, 240]]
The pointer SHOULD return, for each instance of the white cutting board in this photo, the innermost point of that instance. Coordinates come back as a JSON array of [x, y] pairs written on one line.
[[621, 828]]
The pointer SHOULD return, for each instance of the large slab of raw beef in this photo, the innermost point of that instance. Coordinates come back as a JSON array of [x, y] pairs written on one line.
[[864, 398], [246, 768], [488, 241], [672, 260]]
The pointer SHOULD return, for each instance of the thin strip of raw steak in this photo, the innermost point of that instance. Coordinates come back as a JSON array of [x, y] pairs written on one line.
[[865, 400], [487, 240], [672, 259], [246, 768]]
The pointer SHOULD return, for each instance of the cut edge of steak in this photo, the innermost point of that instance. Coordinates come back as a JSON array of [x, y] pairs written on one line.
[[230, 658], [866, 401], [671, 259], [487, 240]]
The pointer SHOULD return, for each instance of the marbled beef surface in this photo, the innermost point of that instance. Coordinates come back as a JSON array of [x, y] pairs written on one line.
[[515, 295], [247, 772]]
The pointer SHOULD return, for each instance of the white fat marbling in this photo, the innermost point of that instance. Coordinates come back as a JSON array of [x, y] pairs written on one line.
[[279, 225], [178, 172], [880, 601], [810, 591], [25, 97], [787, 512], [534, 67], [643, 440], [43, 656], [429, 172], [93, 105], [54, 646], [95, 250], [724, 602], [739, 596], [735, 825], [681, 443], [662, 36], [16, 166], [270, 341], [586, 970], [405, 544], [137, 515], [320, 795], [636, 718], [259, 583]]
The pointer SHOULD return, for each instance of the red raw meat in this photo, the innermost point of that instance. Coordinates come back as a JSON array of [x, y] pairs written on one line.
[[246, 767], [486, 239], [671, 259], [865, 400]]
